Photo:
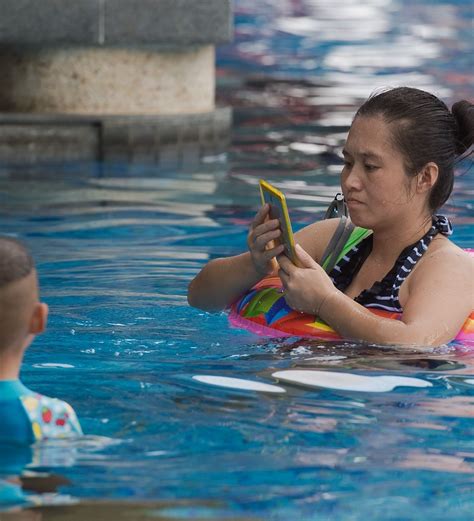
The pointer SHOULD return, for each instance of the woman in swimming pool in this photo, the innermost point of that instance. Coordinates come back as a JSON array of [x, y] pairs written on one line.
[[398, 171]]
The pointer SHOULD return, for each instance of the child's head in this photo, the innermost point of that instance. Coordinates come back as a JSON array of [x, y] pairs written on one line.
[[21, 314]]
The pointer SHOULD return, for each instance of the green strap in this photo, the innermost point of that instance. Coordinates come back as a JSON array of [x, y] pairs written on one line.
[[357, 236], [344, 239], [328, 259]]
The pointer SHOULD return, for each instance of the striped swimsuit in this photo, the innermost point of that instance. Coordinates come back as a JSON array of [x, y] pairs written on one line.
[[384, 294]]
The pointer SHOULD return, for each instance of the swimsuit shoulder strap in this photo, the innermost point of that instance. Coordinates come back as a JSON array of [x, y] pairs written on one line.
[[345, 237], [410, 256], [385, 293]]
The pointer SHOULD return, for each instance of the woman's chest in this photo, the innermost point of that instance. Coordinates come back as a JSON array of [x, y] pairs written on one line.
[[383, 279]]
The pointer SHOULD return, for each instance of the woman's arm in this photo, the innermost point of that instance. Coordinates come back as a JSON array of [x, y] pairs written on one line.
[[222, 281], [439, 301]]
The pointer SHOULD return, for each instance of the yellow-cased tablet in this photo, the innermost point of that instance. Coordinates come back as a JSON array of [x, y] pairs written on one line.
[[279, 210]]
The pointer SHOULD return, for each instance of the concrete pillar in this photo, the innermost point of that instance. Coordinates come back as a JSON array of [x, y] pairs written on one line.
[[84, 80], [121, 68]]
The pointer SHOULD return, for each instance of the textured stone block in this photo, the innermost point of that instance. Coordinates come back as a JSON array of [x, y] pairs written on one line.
[[173, 142], [34, 143], [143, 142], [115, 22], [107, 80], [49, 22], [167, 22]]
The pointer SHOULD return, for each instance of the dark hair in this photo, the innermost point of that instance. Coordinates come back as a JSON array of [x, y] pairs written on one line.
[[424, 130], [15, 261]]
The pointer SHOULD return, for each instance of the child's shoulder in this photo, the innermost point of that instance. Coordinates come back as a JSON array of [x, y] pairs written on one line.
[[50, 417]]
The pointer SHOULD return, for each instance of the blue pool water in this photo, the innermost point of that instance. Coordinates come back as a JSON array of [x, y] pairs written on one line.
[[115, 256]]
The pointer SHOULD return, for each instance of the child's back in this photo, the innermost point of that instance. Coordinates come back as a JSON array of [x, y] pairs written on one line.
[[26, 416]]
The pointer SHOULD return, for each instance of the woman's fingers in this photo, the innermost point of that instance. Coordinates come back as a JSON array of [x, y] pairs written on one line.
[[263, 233], [273, 252], [262, 240], [259, 239], [285, 264], [260, 216], [267, 226], [284, 277]]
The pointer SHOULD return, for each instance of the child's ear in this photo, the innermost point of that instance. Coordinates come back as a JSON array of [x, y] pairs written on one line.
[[39, 318], [427, 177]]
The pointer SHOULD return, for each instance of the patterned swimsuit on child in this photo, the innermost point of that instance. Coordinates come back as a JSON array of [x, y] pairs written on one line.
[[28, 417]]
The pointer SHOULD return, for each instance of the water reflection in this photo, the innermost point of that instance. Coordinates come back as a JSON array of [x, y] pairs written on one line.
[[300, 87], [389, 36], [126, 511], [115, 254], [431, 460]]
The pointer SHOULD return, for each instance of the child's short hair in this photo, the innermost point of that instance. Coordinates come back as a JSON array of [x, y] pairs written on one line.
[[16, 261]]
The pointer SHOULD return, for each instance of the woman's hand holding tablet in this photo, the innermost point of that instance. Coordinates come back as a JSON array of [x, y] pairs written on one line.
[[279, 210]]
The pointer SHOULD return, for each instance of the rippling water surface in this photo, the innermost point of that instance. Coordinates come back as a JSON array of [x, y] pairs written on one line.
[[176, 423]]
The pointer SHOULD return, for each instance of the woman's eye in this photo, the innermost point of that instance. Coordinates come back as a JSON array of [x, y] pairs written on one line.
[[347, 164], [371, 168]]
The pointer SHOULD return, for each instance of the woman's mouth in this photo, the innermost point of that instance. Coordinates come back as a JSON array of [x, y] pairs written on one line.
[[353, 202]]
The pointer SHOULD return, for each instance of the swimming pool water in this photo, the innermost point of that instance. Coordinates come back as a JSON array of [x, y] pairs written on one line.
[[115, 256]]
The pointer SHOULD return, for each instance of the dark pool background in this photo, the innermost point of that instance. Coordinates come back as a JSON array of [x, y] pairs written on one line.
[[115, 256]]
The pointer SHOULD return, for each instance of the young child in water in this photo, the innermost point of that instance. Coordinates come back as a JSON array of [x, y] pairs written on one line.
[[26, 416]]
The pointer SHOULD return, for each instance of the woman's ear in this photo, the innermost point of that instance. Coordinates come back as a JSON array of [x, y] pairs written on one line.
[[39, 318], [427, 177]]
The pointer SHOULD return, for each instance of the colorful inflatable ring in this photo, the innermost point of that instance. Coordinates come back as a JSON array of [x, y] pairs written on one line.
[[264, 311]]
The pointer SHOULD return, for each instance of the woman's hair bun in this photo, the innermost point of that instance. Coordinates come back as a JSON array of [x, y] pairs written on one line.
[[463, 112]]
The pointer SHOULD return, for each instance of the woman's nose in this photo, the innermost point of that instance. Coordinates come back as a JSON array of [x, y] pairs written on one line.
[[351, 180]]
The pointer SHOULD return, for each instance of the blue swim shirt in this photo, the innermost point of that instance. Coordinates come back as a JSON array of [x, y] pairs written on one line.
[[27, 417]]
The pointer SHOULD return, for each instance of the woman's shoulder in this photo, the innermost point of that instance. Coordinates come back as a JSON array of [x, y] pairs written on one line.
[[444, 255], [325, 226], [315, 237], [442, 247], [443, 278]]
